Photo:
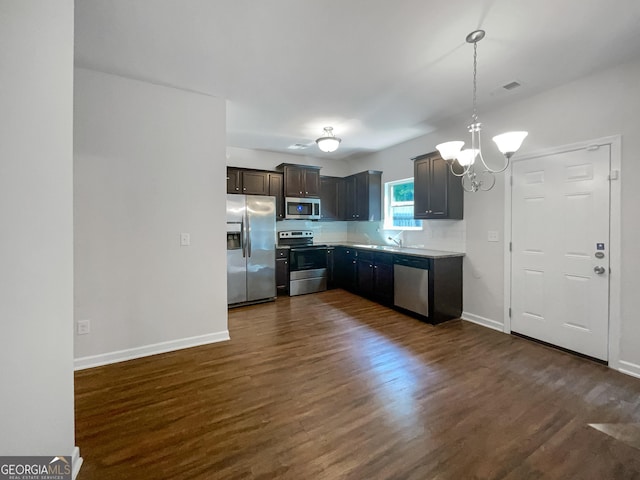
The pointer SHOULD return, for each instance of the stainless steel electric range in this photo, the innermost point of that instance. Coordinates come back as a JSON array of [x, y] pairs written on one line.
[[308, 262]]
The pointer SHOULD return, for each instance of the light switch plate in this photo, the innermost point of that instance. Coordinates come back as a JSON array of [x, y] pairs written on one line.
[[83, 327], [493, 236], [185, 239]]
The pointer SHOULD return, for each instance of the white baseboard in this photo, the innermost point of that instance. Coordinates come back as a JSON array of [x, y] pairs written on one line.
[[146, 350], [76, 462], [629, 368], [485, 322]]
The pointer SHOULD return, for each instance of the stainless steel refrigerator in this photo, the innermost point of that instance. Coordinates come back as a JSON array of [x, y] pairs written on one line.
[[251, 254]]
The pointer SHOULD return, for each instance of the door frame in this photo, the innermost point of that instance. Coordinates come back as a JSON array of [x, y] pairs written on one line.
[[615, 143]]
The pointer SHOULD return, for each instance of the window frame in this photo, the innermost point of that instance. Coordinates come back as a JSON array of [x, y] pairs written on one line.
[[388, 218]]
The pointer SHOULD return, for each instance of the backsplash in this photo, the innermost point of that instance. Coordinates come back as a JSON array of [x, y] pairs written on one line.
[[448, 235], [323, 232]]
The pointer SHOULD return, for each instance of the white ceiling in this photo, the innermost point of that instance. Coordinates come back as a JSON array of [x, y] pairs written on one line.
[[379, 71]]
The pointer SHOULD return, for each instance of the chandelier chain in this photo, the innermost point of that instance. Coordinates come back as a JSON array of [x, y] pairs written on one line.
[[476, 175], [474, 117]]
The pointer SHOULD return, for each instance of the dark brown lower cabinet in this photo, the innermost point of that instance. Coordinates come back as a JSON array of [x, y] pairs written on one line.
[[331, 274], [375, 276], [383, 281], [371, 274], [445, 289], [282, 271], [345, 268]]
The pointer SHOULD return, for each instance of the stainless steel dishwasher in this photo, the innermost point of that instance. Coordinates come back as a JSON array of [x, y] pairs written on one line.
[[411, 284]]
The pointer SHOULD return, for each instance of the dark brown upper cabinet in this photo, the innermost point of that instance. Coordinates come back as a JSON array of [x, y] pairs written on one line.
[[234, 180], [331, 198], [300, 180], [275, 189], [363, 195], [247, 182], [437, 193]]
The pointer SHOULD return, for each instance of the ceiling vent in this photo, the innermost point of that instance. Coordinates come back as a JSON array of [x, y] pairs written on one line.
[[512, 85], [298, 146]]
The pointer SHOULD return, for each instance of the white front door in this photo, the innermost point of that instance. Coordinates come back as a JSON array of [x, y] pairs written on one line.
[[560, 250]]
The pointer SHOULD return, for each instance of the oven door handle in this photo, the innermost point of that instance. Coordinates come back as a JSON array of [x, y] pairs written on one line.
[[307, 249]]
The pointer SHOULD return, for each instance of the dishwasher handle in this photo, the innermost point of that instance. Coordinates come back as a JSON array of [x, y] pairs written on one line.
[[413, 262]]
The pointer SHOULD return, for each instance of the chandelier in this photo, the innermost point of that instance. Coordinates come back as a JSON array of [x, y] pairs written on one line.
[[508, 143], [328, 142]]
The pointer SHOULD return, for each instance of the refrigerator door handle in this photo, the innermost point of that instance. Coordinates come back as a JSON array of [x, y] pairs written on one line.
[[243, 238], [248, 235]]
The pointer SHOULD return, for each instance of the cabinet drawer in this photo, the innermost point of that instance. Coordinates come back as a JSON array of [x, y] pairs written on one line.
[[383, 258], [365, 255]]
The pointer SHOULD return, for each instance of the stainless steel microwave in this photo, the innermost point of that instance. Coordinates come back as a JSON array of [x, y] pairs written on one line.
[[302, 208]]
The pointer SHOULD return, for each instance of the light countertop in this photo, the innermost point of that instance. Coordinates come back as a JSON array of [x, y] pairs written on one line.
[[420, 252]]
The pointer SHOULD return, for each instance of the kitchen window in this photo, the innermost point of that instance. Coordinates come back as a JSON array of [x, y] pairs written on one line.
[[398, 206]]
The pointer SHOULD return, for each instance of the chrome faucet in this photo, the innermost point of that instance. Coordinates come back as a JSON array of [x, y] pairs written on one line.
[[397, 242]]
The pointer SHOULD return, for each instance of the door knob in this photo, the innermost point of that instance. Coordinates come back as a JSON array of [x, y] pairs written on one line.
[[599, 270]]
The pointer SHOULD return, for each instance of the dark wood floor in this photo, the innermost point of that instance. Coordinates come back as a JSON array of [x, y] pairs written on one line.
[[332, 386]]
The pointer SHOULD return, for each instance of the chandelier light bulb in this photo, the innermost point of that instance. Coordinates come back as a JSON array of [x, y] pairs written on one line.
[[450, 150], [467, 156], [328, 142], [508, 143]]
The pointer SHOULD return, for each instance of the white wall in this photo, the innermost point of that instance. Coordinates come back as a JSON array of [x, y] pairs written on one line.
[[264, 160], [36, 245], [149, 164], [604, 104]]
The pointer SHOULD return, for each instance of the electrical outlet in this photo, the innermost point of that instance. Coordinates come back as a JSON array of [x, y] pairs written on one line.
[[493, 236], [83, 327], [185, 239]]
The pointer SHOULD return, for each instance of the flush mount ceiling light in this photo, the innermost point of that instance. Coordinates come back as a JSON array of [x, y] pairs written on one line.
[[508, 143], [328, 142]]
